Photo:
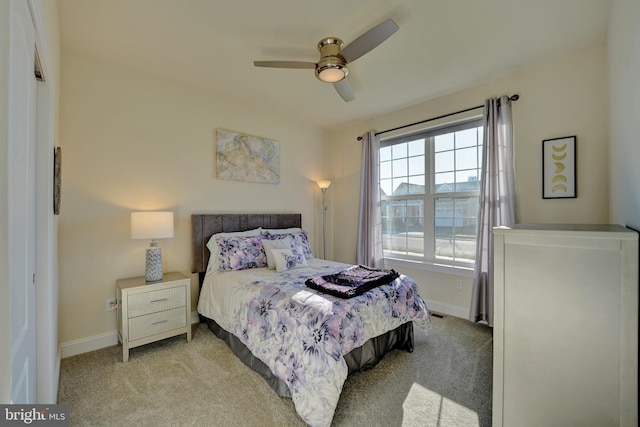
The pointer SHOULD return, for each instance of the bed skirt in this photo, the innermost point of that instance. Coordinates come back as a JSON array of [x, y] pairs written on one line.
[[359, 359]]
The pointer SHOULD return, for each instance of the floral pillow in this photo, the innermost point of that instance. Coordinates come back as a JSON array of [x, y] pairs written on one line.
[[241, 252], [270, 245], [300, 238], [286, 259], [214, 249]]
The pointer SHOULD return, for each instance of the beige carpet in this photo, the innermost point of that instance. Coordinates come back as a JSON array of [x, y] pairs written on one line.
[[445, 382]]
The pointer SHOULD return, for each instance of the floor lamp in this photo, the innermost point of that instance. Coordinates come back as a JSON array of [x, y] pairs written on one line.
[[324, 184]]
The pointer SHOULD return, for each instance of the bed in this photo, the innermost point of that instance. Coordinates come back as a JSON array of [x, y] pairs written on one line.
[[303, 342]]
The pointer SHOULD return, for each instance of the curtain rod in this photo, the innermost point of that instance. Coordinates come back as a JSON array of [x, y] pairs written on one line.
[[511, 98]]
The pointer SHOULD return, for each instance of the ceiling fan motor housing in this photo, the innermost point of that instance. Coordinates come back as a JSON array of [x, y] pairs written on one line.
[[332, 66]]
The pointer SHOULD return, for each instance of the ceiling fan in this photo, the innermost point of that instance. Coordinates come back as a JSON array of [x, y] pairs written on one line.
[[334, 57]]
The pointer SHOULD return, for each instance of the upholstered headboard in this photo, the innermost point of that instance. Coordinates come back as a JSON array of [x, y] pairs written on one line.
[[203, 226]]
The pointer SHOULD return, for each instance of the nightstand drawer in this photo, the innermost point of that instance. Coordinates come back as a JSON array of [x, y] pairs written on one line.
[[156, 323], [152, 302]]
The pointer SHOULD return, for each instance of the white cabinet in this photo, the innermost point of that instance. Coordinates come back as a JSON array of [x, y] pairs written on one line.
[[565, 326], [152, 311]]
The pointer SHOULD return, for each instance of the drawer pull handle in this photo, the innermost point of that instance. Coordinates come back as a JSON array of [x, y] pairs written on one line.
[[159, 322], [158, 300]]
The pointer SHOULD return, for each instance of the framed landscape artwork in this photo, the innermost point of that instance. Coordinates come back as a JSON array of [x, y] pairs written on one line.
[[242, 157]]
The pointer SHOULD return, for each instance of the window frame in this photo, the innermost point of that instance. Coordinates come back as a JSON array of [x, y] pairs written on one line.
[[429, 258]]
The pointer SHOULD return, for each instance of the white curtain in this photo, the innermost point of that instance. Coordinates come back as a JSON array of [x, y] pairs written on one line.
[[497, 201], [369, 246]]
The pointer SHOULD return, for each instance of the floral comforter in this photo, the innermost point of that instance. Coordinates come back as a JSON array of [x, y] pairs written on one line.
[[302, 334]]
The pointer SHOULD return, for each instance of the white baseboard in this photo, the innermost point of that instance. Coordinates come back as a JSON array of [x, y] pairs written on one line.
[[448, 309], [85, 345], [195, 318], [96, 342]]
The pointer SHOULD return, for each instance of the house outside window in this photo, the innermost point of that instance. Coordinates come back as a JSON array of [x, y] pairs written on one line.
[[430, 188]]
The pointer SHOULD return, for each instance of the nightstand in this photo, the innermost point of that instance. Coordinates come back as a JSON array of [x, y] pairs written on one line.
[[152, 311]]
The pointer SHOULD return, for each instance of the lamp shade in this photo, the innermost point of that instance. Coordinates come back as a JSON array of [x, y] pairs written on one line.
[[332, 73], [324, 184], [151, 225]]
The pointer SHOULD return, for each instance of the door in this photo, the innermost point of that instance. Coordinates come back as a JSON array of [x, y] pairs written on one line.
[[21, 196]]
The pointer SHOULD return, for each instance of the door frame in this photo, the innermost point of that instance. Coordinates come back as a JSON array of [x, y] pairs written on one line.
[[48, 352], [44, 18]]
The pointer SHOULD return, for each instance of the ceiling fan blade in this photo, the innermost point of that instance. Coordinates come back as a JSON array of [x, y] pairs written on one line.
[[369, 40], [285, 64], [344, 89]]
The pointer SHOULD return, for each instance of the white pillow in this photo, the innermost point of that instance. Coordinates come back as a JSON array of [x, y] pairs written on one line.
[[212, 245], [269, 245], [286, 259]]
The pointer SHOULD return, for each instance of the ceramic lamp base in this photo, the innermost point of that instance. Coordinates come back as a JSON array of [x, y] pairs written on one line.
[[153, 271]]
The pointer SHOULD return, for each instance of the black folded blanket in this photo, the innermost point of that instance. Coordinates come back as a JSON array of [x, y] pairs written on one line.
[[353, 281]]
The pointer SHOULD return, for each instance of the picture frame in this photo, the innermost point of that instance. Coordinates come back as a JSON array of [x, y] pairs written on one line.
[[57, 180], [559, 169], [244, 157]]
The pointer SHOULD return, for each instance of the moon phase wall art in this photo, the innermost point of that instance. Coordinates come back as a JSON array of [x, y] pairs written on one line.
[[559, 168]]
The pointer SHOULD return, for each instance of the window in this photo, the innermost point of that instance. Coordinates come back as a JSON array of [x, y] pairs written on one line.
[[430, 186]]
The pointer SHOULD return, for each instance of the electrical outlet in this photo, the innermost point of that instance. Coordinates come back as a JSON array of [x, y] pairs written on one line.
[[459, 284], [111, 304]]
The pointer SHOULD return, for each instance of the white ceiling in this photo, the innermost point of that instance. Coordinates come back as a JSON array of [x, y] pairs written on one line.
[[442, 45]]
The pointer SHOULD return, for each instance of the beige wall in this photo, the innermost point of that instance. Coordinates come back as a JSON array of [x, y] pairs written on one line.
[[134, 143], [559, 97]]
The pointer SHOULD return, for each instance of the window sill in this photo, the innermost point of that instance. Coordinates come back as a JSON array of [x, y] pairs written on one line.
[[430, 266]]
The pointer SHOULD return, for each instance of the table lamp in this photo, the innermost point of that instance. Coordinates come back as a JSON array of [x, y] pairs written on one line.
[[152, 225]]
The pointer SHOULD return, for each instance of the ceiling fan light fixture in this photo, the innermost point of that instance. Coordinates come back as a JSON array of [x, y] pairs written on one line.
[[332, 67], [334, 57], [331, 73]]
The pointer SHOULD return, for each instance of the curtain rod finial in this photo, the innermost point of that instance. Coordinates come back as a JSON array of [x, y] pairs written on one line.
[[514, 97]]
